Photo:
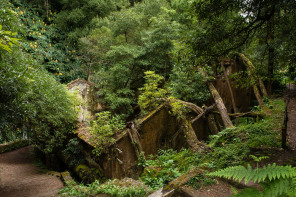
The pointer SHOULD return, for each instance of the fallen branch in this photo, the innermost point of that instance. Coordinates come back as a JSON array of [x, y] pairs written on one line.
[[207, 109], [134, 136], [218, 100], [246, 114]]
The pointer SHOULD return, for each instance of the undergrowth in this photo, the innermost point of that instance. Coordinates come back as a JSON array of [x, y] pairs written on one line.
[[200, 180], [111, 187], [166, 166], [103, 130]]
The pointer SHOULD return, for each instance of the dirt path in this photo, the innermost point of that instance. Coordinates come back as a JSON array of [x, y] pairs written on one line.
[[291, 127], [21, 178]]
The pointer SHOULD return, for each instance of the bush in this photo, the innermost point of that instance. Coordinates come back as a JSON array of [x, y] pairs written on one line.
[[103, 130], [111, 187], [167, 166], [33, 102], [232, 145]]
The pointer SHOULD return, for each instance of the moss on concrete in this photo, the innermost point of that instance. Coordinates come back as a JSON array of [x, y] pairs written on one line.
[[13, 145]]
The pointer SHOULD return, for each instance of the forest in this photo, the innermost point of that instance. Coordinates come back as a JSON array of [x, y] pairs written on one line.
[[152, 97]]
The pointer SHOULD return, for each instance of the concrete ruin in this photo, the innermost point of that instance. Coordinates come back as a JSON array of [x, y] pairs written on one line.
[[158, 130]]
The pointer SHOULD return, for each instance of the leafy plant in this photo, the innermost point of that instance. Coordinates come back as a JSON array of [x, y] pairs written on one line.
[[275, 180], [166, 166], [111, 187], [7, 39], [103, 130], [151, 94], [200, 180], [34, 103], [72, 148]]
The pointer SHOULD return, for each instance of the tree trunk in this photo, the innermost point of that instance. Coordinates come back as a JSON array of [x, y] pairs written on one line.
[[270, 34], [252, 72], [47, 8], [89, 72], [193, 142], [230, 90], [252, 68], [258, 96], [134, 136], [212, 124], [219, 102]]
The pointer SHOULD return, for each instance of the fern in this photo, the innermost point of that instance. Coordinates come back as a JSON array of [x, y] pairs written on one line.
[[276, 187], [272, 172], [275, 180]]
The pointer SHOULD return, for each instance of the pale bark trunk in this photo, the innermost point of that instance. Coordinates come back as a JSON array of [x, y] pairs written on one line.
[[89, 72], [258, 96], [134, 136], [219, 102], [193, 142], [251, 67], [220, 105]]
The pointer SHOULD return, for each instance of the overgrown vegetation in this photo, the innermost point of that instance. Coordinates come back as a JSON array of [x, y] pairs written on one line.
[[111, 187], [33, 103], [103, 130], [166, 166], [140, 53]]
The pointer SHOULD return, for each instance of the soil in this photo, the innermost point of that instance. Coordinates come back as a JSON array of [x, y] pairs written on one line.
[[21, 178]]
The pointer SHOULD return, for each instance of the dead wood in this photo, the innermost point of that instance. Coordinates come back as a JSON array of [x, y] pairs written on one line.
[[219, 102], [258, 96], [252, 68], [203, 113], [134, 136], [246, 114]]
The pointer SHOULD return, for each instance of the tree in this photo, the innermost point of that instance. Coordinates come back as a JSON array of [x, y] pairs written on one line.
[[126, 44], [77, 17], [224, 26]]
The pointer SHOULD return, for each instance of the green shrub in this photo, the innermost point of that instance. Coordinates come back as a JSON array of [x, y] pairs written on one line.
[[47, 43], [232, 145], [32, 101], [111, 187], [189, 85], [103, 130], [200, 180], [167, 166], [13, 145], [151, 93]]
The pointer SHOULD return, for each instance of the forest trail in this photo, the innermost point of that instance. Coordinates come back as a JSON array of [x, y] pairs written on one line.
[[21, 178], [291, 127]]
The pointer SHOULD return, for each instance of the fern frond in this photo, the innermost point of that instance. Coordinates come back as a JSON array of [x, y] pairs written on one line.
[[249, 174], [272, 172], [276, 187], [292, 191]]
